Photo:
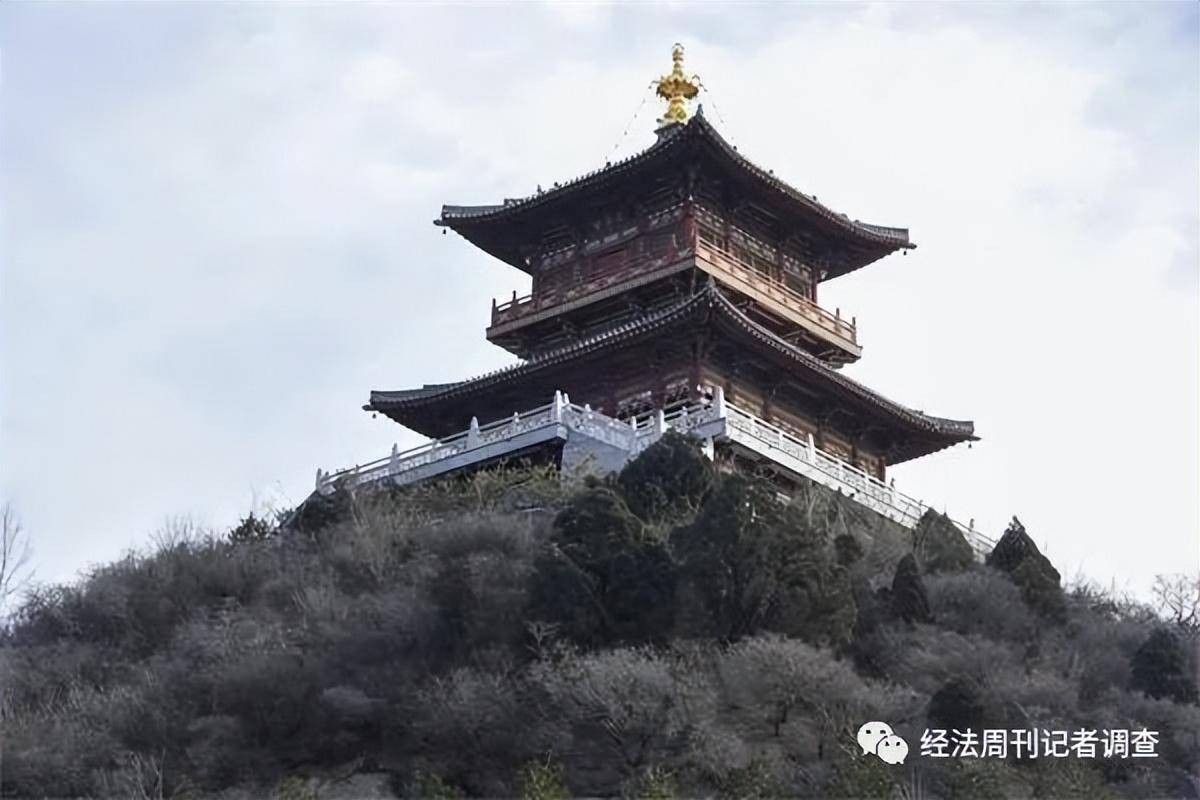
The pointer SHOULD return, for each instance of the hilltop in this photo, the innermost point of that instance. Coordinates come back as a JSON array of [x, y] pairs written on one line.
[[670, 631]]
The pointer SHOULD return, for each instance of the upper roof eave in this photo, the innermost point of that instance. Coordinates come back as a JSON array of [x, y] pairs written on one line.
[[466, 216]]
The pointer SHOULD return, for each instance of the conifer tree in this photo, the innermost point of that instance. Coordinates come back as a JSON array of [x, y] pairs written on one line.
[[957, 705], [668, 480], [1160, 668], [909, 599], [603, 578], [940, 546], [1017, 556]]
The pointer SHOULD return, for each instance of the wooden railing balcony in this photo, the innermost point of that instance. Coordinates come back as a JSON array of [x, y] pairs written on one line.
[[636, 270], [511, 309], [725, 265], [736, 271]]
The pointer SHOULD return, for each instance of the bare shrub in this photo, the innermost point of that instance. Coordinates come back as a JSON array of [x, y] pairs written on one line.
[[980, 601], [509, 487], [471, 722], [926, 657], [785, 679], [15, 554], [1034, 698], [542, 780], [634, 705], [1177, 599]]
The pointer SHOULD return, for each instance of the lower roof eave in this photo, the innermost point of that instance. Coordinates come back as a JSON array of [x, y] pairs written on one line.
[[934, 447], [408, 406]]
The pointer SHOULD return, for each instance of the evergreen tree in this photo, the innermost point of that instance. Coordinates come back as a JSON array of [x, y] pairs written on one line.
[[753, 563], [940, 546], [848, 550], [1017, 556], [909, 599], [1160, 668], [668, 480], [957, 705], [603, 578], [252, 529]]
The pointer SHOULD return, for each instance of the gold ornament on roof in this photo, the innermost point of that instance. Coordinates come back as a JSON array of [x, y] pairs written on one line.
[[676, 88]]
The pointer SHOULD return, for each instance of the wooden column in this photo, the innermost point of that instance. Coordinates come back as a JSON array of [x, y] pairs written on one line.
[[689, 229]]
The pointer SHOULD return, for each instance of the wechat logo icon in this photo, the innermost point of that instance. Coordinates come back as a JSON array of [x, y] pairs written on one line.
[[879, 738]]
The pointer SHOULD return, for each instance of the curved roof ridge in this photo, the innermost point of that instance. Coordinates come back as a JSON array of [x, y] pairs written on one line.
[[697, 125], [510, 204], [962, 426], [900, 235]]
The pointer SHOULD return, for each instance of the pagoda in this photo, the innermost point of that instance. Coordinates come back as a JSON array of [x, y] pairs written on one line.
[[676, 289]]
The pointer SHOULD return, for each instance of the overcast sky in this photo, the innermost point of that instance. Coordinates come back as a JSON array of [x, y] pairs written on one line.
[[217, 238]]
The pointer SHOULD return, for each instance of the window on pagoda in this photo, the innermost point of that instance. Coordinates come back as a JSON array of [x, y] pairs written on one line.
[[797, 277], [752, 253]]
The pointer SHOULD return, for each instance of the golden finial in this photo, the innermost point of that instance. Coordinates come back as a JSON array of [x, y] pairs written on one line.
[[675, 87]]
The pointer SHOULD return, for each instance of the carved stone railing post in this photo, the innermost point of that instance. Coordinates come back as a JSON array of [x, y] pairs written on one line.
[[812, 449], [660, 423], [320, 477], [718, 402], [556, 407], [473, 434], [394, 458]]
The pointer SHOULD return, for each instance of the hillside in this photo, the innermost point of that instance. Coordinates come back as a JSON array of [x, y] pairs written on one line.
[[670, 632]]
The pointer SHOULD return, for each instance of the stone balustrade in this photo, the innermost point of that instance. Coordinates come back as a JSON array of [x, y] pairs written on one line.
[[711, 421]]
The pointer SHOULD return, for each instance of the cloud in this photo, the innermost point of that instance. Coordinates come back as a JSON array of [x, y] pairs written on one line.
[[218, 239]]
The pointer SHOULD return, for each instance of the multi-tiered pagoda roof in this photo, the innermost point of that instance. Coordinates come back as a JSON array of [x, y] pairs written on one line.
[[682, 274]]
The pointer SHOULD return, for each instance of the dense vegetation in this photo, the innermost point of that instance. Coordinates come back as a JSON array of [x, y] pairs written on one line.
[[671, 631]]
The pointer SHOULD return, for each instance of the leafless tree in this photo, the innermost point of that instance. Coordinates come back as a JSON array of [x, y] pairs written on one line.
[[176, 531], [1177, 597], [15, 555]]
